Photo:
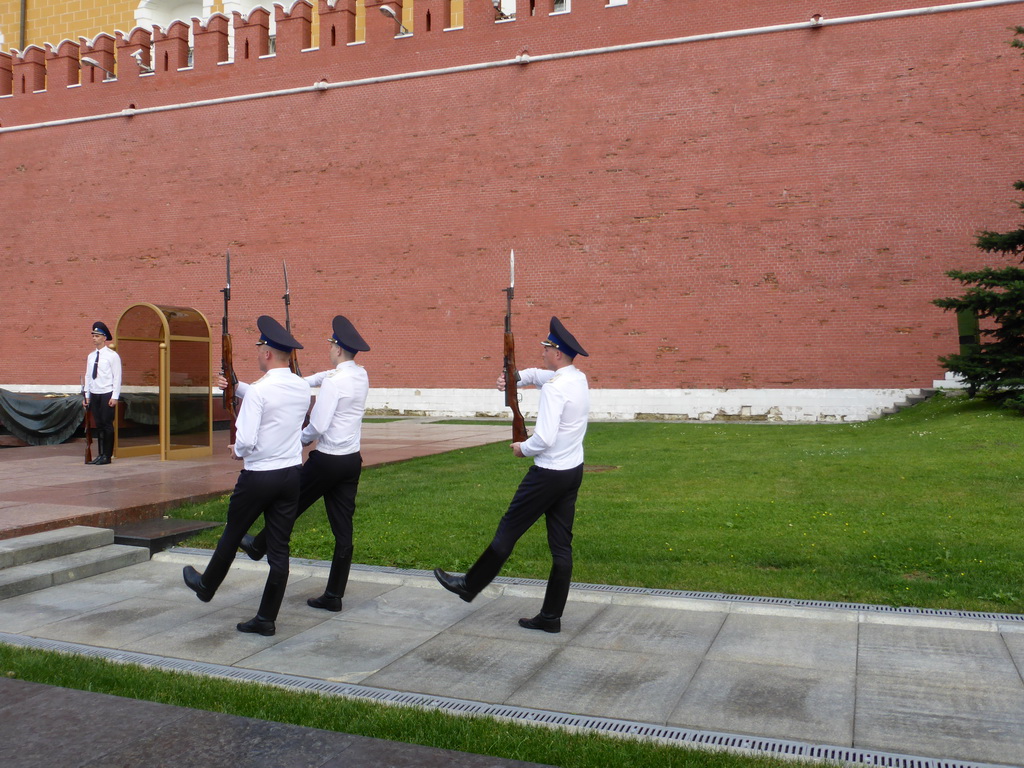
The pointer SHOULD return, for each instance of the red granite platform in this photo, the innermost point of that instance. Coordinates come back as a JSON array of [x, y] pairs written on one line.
[[48, 487]]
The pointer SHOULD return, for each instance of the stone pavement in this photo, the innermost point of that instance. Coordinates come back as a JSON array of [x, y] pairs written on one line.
[[859, 684], [42, 725]]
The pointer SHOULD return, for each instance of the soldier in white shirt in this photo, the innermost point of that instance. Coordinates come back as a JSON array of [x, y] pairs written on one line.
[[267, 440], [102, 390], [332, 470], [550, 487]]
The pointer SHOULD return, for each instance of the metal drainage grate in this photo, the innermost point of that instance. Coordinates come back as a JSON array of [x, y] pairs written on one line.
[[602, 725]]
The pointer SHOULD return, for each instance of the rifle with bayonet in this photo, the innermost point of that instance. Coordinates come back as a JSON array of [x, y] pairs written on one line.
[[511, 374], [87, 420], [226, 363], [293, 361]]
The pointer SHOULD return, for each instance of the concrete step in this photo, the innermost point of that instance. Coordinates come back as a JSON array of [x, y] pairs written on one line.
[[48, 544], [912, 399], [40, 574]]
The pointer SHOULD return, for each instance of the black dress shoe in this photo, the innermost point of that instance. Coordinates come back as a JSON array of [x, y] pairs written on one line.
[[102, 460], [540, 621], [257, 626], [248, 546], [326, 602], [456, 584], [194, 581]]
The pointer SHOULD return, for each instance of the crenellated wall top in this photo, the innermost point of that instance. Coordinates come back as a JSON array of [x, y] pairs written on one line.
[[155, 65]]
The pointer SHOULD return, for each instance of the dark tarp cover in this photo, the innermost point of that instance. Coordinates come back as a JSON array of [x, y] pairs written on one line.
[[40, 419]]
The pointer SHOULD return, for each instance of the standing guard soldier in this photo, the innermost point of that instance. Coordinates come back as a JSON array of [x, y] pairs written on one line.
[[267, 440], [103, 389], [332, 470], [551, 484]]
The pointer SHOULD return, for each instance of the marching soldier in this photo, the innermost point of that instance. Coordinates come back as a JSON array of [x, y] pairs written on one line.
[[268, 430], [551, 484]]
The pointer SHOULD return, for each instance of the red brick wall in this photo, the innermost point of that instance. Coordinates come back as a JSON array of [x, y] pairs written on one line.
[[771, 210]]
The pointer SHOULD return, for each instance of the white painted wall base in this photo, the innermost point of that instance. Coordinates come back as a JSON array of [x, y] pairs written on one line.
[[759, 405], [772, 405]]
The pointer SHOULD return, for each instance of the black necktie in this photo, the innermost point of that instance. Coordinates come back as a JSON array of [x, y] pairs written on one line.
[[96, 364]]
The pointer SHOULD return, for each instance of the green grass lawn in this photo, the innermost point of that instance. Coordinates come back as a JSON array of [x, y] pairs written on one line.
[[918, 509]]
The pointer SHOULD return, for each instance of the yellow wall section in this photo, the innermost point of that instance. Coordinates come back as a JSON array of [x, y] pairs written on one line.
[[50, 21]]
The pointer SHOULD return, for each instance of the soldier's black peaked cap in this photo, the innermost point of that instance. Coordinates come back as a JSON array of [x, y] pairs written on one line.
[[274, 334], [564, 341], [100, 327], [346, 335]]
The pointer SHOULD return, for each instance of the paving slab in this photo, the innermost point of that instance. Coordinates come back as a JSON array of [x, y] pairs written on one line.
[[350, 652], [591, 681], [465, 667], [421, 607], [765, 639], [652, 630], [1015, 645], [497, 616], [28, 613], [957, 657], [939, 717], [816, 706]]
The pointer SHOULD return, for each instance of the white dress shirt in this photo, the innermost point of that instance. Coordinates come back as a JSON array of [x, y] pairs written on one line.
[[108, 373], [269, 422], [337, 416], [557, 439]]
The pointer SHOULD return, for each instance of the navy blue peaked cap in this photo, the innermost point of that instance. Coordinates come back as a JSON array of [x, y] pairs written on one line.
[[346, 335], [564, 341], [101, 327], [274, 334]]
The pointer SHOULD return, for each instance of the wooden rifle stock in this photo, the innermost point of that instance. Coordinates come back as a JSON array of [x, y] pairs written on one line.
[[229, 391], [512, 390], [227, 366], [88, 436], [88, 427], [511, 375]]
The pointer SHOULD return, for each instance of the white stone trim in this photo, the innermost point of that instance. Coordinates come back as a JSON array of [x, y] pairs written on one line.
[[755, 405], [771, 405]]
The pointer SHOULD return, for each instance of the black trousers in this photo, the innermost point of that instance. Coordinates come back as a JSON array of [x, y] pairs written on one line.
[[274, 494], [103, 419], [336, 480], [548, 493]]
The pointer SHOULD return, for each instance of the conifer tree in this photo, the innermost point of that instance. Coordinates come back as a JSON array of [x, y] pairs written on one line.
[[994, 366]]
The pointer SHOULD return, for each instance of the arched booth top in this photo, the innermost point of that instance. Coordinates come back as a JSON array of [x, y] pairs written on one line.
[[167, 369], [153, 322]]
